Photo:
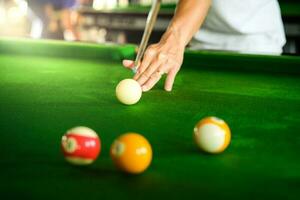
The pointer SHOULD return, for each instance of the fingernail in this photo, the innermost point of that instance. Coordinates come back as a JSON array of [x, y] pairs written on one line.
[[168, 89], [127, 62], [144, 88]]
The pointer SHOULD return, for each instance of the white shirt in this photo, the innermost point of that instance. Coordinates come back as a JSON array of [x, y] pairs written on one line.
[[246, 26]]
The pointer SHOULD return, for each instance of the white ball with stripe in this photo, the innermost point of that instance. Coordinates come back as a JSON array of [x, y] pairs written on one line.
[[212, 135]]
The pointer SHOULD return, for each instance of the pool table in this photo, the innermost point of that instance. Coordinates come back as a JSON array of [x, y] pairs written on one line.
[[48, 87]]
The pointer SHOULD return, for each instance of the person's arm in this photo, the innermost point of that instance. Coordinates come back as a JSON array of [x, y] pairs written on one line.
[[166, 56]]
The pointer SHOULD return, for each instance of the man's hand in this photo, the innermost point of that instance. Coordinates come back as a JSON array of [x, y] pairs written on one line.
[[164, 57]]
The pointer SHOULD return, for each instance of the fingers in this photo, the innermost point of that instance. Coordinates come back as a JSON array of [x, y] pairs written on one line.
[[156, 76], [128, 64], [145, 73], [153, 67], [170, 80], [153, 74], [148, 57], [155, 63], [152, 80]]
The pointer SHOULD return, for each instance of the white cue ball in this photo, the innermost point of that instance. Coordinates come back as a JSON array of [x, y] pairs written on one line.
[[128, 91]]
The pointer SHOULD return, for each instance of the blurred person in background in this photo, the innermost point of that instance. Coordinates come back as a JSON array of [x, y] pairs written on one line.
[[59, 17]]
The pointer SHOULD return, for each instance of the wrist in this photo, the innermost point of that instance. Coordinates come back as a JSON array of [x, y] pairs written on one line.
[[174, 35]]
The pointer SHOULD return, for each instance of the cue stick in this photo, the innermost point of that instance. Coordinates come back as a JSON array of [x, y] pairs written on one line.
[[151, 19]]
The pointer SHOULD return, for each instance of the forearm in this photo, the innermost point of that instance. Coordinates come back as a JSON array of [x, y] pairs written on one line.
[[188, 18]]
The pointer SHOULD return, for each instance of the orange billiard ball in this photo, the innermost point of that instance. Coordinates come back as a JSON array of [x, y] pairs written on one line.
[[131, 153], [81, 145], [212, 135]]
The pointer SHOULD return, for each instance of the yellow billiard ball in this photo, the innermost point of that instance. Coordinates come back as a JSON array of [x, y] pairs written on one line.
[[212, 135], [128, 91], [131, 153]]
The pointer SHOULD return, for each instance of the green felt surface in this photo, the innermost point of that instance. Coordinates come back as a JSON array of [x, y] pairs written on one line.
[[42, 96]]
